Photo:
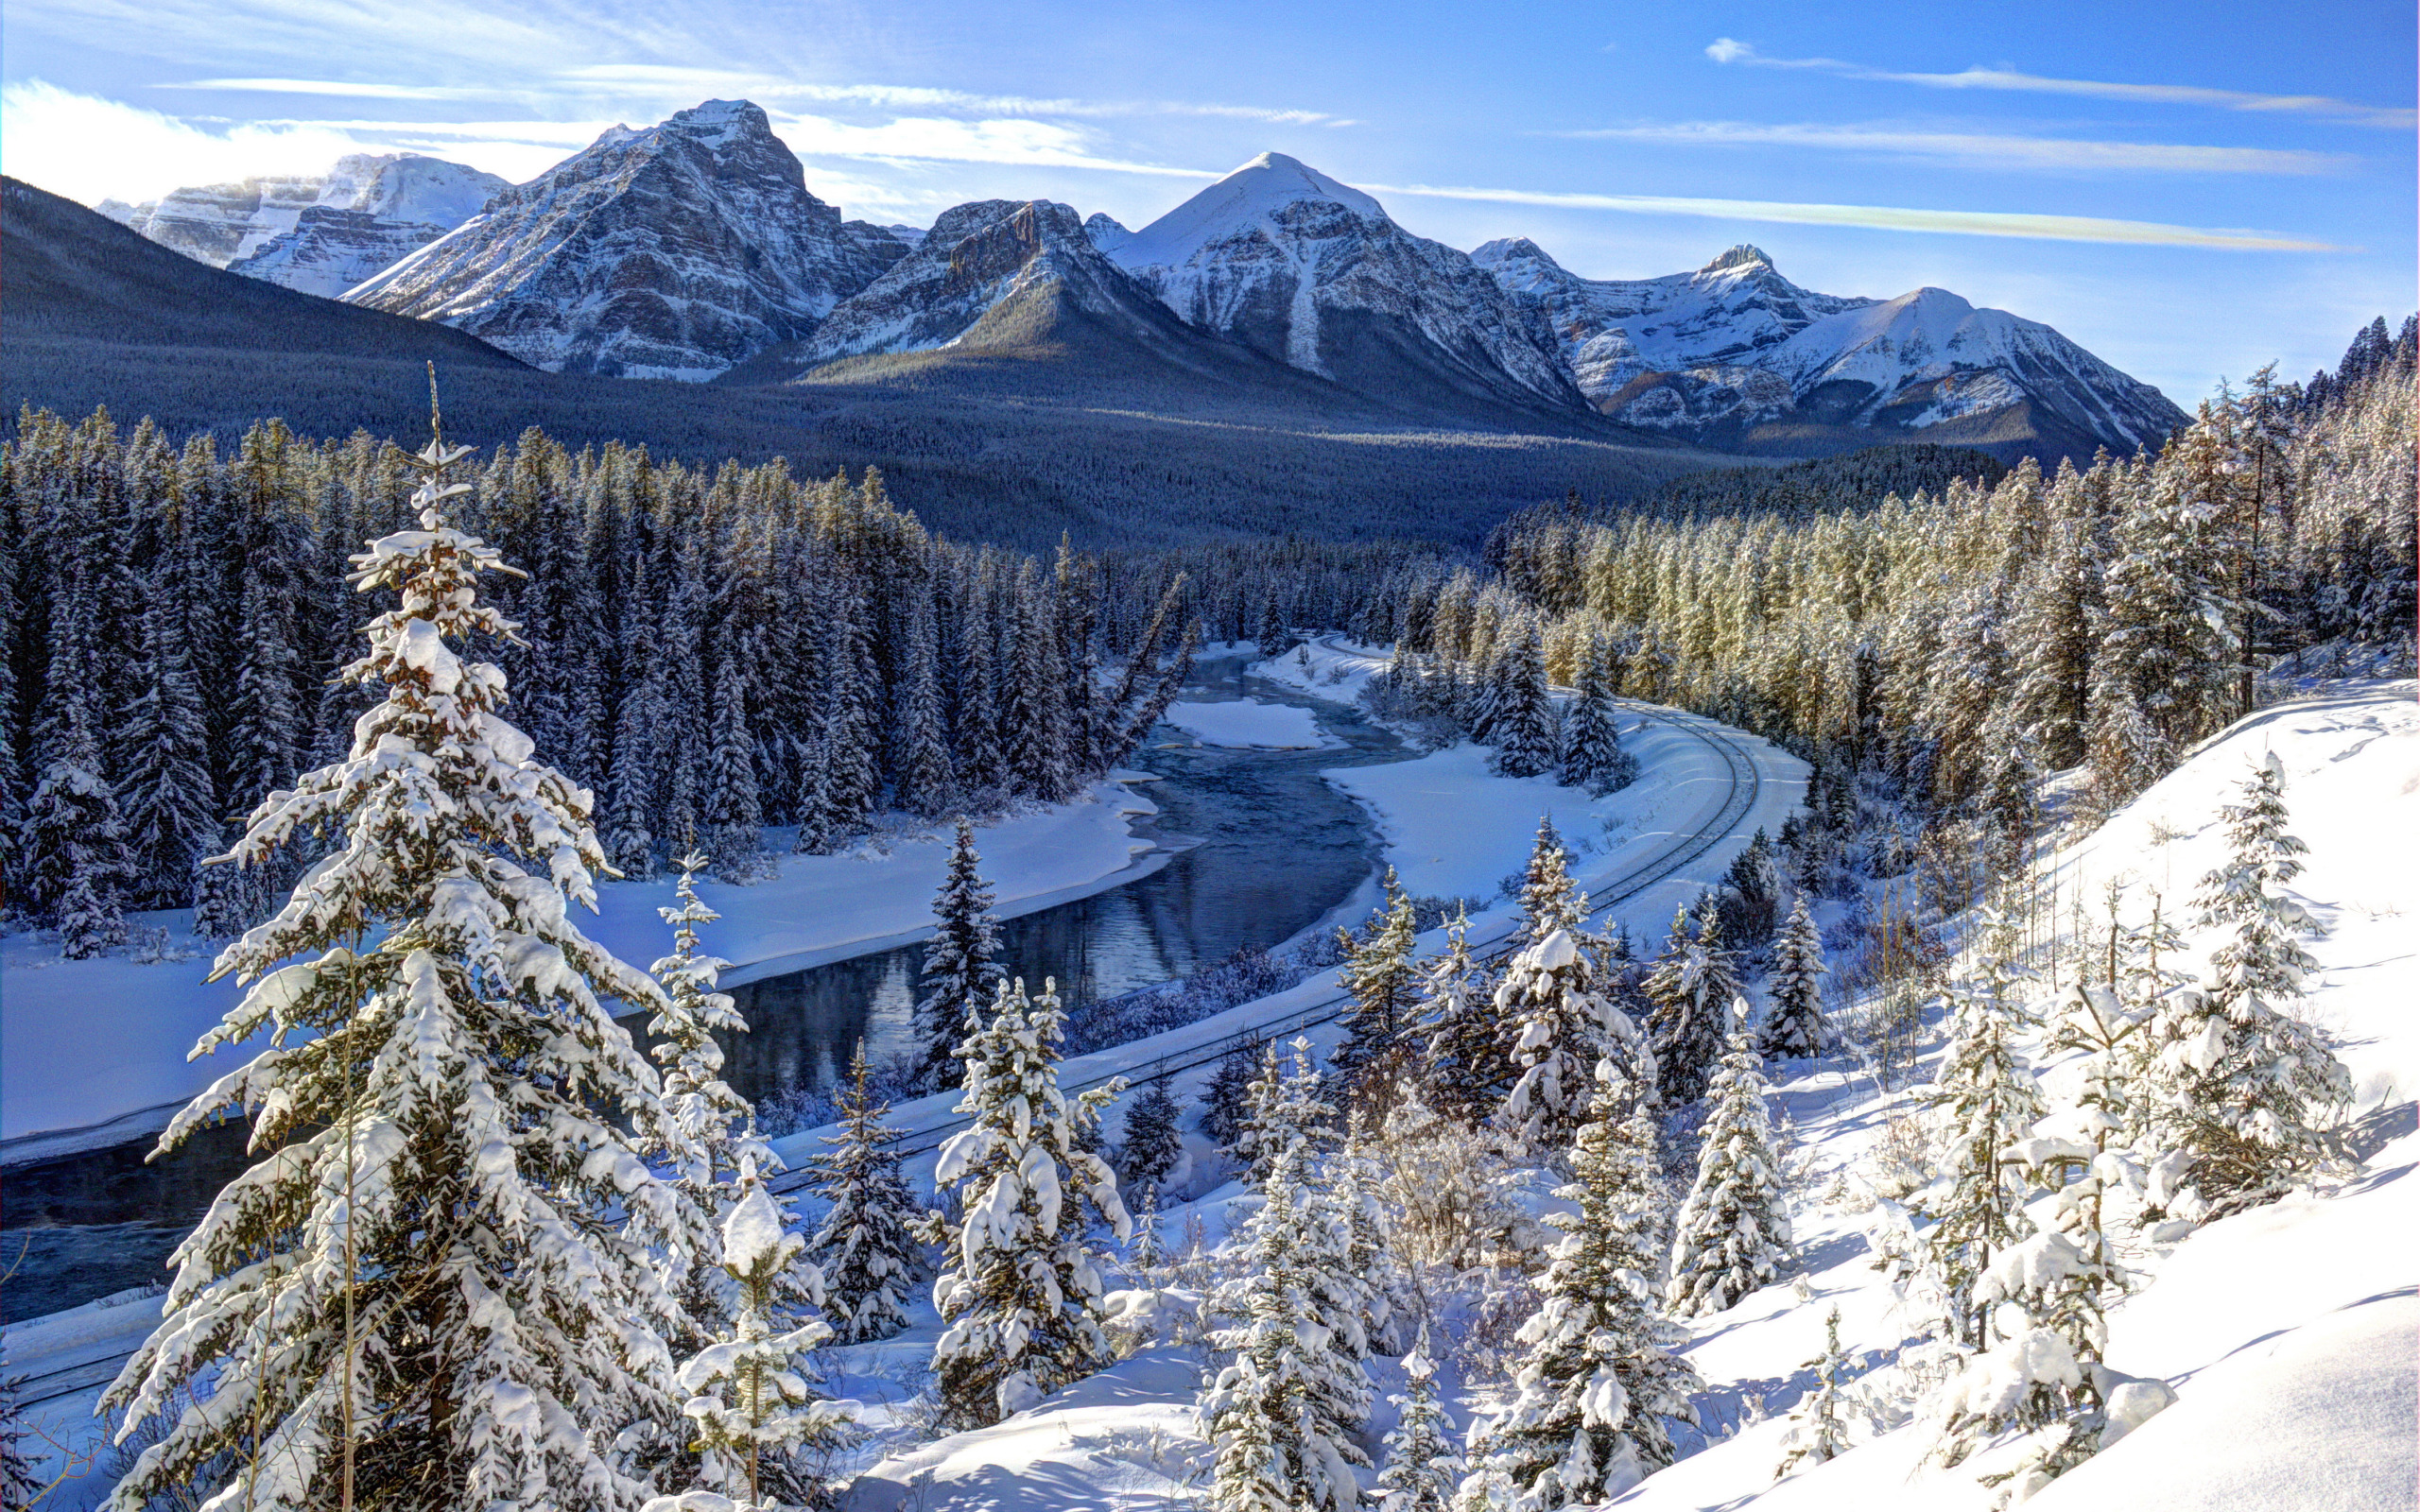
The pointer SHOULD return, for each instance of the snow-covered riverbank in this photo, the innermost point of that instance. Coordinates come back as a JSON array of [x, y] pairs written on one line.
[[87, 1043]]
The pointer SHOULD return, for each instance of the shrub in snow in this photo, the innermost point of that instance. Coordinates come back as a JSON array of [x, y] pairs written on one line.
[[1691, 988], [1819, 1429], [2242, 1085], [1794, 1027], [1732, 1234], [959, 972], [1984, 1100], [449, 1282], [1281, 1415], [1599, 1379], [1442, 1187], [866, 1247], [1421, 1469], [19, 1484], [1558, 1020], [1020, 1293], [751, 1407]]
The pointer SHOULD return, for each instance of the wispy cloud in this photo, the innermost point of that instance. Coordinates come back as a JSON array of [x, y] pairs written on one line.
[[665, 80], [337, 88], [1986, 151], [1885, 217], [1729, 50]]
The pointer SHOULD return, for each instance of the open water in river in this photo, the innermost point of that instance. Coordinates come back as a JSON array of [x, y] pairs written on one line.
[[1279, 851]]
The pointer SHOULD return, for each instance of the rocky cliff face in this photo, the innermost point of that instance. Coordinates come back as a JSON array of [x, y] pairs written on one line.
[[1713, 355], [671, 253], [319, 234], [1314, 273]]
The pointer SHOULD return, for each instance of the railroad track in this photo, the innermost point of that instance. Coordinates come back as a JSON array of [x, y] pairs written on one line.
[[1745, 786]]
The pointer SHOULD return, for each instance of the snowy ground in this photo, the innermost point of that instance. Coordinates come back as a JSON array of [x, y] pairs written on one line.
[[2289, 1333], [86, 1042], [1249, 723]]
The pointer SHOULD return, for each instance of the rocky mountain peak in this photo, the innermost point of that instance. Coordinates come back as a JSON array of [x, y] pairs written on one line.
[[1742, 255], [673, 252]]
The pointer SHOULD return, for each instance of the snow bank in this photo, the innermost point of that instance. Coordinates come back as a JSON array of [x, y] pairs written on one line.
[[1250, 723], [84, 1043]]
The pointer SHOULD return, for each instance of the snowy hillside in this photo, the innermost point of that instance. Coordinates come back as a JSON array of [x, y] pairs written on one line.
[[673, 252]]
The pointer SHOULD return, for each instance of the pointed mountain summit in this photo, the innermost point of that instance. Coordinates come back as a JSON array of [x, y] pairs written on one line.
[[669, 253], [1315, 273]]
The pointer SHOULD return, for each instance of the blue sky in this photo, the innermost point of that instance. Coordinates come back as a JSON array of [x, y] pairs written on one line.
[[2188, 191]]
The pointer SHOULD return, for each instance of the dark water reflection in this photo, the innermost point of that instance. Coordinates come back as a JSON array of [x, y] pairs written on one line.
[[1279, 849]]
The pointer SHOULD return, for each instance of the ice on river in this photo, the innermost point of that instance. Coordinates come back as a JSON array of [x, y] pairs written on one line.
[[1249, 723]]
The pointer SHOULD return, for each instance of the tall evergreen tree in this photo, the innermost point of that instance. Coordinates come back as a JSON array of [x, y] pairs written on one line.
[[165, 789], [1691, 988], [750, 1399], [1522, 720], [1984, 1101], [449, 1287], [1150, 1150], [733, 837], [1421, 1469], [1280, 1416], [1598, 1382], [1733, 1233], [1593, 756], [1020, 1299], [866, 1245], [1558, 1022], [959, 972], [1794, 1027], [1464, 1065], [2239, 1082], [1379, 973]]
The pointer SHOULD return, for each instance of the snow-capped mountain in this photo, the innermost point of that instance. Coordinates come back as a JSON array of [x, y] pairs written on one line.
[[669, 253], [976, 259], [1715, 353], [1314, 273], [305, 231]]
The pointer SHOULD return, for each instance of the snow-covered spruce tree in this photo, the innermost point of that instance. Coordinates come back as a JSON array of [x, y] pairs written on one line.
[[447, 1286], [1732, 1234], [1984, 1101], [19, 1484], [1691, 988], [164, 789], [1285, 1105], [1152, 1144], [1369, 1279], [735, 813], [866, 1247], [1380, 976], [2240, 1083], [1283, 1415], [1593, 754], [1599, 1381], [1464, 1070], [74, 843], [718, 1125], [1548, 899], [927, 779], [1226, 1099], [1146, 1252], [1794, 1027], [959, 972], [1557, 1021], [1522, 722], [753, 1409], [1421, 1469], [1819, 1429], [1020, 1295]]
